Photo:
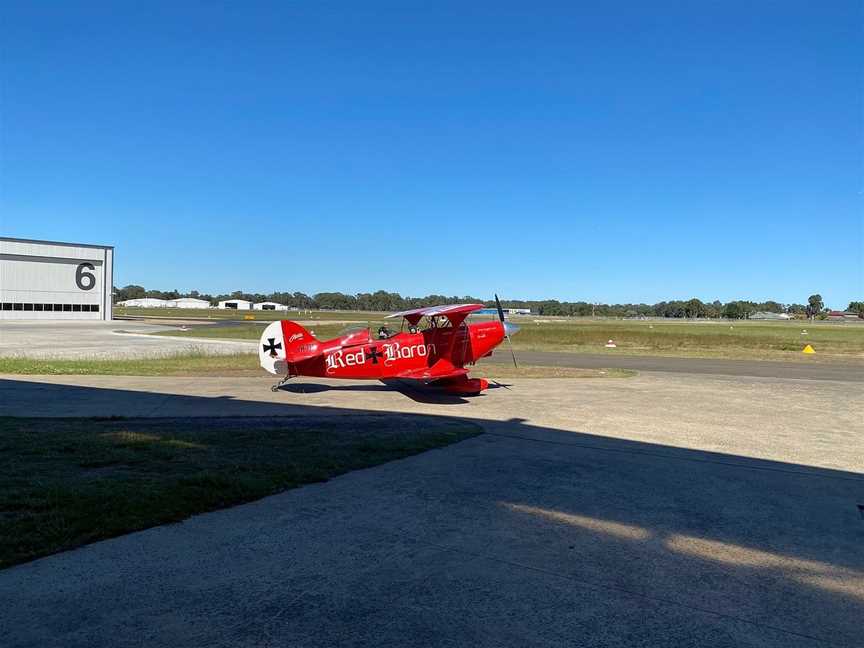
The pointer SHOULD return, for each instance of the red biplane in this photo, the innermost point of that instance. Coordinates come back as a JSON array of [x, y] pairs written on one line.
[[435, 349]]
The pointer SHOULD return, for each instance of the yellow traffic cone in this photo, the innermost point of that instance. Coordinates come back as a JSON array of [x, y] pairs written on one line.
[[808, 349]]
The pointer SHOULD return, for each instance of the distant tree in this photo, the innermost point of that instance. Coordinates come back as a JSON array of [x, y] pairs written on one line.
[[129, 292], [382, 300], [302, 300], [771, 306], [694, 308], [335, 301], [731, 310], [856, 307], [796, 309], [714, 309], [739, 309], [814, 305]]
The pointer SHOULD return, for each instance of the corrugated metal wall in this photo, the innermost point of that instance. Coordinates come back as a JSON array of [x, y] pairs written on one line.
[[48, 280]]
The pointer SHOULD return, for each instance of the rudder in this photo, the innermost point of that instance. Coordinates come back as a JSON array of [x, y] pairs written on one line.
[[284, 343]]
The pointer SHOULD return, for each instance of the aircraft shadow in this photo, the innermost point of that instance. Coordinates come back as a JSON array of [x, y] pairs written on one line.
[[412, 389]]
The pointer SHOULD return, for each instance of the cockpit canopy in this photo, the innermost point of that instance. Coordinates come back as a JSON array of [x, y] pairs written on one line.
[[353, 335]]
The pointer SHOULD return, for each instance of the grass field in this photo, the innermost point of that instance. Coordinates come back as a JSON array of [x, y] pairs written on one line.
[[190, 364], [75, 481], [738, 339]]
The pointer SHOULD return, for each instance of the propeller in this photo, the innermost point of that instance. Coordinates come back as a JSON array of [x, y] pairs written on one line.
[[509, 329]]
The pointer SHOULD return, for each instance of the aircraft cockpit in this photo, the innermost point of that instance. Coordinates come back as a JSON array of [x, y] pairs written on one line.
[[385, 333], [427, 323]]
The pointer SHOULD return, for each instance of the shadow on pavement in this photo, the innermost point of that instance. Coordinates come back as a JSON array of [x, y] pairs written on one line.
[[417, 392], [526, 534]]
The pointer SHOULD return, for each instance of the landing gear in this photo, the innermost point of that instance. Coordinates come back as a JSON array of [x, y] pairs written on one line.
[[278, 386]]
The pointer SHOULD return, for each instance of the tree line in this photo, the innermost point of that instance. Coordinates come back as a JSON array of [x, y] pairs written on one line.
[[388, 301]]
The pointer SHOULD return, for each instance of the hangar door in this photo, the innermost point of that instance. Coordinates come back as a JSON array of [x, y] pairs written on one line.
[[51, 286]]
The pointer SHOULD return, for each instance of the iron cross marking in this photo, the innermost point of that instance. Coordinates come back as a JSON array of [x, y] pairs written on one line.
[[373, 355], [271, 346]]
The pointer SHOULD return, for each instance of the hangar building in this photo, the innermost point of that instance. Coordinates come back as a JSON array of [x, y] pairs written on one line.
[[267, 305], [189, 302], [236, 304], [53, 280], [145, 302], [155, 302]]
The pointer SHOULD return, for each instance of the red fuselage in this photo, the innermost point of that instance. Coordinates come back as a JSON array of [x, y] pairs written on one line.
[[432, 350]]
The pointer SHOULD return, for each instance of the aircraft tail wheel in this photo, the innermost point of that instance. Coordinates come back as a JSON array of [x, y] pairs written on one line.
[[278, 386]]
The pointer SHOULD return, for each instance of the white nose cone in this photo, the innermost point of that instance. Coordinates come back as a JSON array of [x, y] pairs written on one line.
[[271, 349], [510, 329]]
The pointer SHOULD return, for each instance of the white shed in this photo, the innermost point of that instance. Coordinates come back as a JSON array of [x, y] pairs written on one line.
[[189, 302], [235, 304], [273, 306], [145, 302]]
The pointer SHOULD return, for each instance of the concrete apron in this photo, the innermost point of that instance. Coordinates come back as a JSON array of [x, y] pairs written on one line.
[[662, 510]]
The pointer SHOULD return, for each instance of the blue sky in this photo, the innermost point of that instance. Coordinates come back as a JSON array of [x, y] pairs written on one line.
[[626, 151]]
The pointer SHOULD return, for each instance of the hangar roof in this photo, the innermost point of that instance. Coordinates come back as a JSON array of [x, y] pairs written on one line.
[[86, 245]]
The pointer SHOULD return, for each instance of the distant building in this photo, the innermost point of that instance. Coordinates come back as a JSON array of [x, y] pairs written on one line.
[[269, 306], [189, 302], [154, 302], [842, 316], [146, 302], [507, 311], [767, 315], [235, 304]]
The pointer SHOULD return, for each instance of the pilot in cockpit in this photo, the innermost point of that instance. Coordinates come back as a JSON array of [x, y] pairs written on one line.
[[384, 333]]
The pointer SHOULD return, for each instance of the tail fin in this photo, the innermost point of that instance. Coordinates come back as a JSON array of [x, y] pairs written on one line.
[[285, 342]]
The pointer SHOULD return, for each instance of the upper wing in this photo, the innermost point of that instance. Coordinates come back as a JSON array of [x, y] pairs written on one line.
[[457, 311]]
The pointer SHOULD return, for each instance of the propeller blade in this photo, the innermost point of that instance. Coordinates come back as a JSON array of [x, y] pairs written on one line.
[[500, 310], [508, 329], [512, 352]]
